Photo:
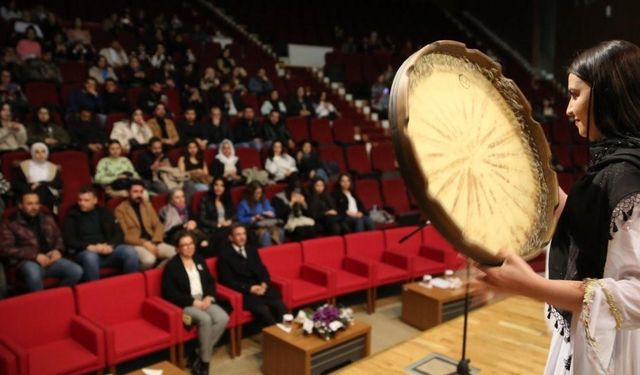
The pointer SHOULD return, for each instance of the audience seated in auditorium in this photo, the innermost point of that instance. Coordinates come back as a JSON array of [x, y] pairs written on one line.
[[225, 62], [176, 217], [166, 73], [114, 99], [280, 165], [86, 133], [192, 162], [309, 164], [300, 104], [256, 212], [77, 33], [324, 108], [240, 267], [132, 133], [11, 93], [227, 100], [150, 97], [292, 208], [216, 127], [260, 84], [101, 71], [248, 131], [209, 81], [190, 130], [92, 235], [43, 69], [216, 216], [349, 206], [150, 163], [142, 227], [158, 58], [87, 97], [5, 188], [29, 47], [115, 172], [44, 130], [380, 97], [275, 130], [187, 283], [163, 127], [273, 103], [116, 55], [322, 208], [40, 175], [226, 164], [134, 74], [31, 241]]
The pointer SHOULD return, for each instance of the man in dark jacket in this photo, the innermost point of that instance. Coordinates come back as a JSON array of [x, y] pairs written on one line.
[[93, 235], [248, 132], [275, 130], [240, 267], [32, 242]]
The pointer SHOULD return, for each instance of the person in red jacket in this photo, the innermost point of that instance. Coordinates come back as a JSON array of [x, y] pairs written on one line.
[[31, 240]]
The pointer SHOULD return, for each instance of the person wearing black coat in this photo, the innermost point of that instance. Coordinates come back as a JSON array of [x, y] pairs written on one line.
[[322, 208], [187, 283], [93, 236], [349, 207], [216, 215], [240, 268]]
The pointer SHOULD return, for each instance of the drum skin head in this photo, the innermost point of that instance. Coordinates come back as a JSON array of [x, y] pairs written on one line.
[[471, 154]]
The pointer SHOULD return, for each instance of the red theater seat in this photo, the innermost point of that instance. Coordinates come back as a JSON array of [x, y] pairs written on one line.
[[389, 267], [60, 343], [298, 127], [300, 284], [351, 274], [358, 160], [433, 241], [249, 157], [383, 158], [74, 171], [320, 131], [134, 324], [425, 261], [333, 153]]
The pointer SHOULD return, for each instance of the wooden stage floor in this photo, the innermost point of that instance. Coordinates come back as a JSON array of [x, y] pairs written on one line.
[[506, 337]]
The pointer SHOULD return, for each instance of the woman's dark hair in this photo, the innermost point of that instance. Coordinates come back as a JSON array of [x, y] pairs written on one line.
[[612, 70], [312, 187], [199, 153], [338, 187], [183, 234], [251, 189], [113, 141], [284, 149], [226, 195]]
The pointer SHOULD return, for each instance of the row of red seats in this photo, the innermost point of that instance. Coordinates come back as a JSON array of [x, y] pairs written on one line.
[[91, 326]]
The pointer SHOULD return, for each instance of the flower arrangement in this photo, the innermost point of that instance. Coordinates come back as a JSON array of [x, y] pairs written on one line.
[[329, 319]]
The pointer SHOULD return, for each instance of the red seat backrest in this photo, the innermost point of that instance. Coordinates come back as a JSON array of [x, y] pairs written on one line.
[[248, 157], [365, 244], [9, 161], [327, 251], [368, 190], [112, 300], [283, 260], [432, 238], [357, 159], [333, 153], [320, 131], [395, 195], [382, 157], [23, 319], [153, 282], [410, 246]]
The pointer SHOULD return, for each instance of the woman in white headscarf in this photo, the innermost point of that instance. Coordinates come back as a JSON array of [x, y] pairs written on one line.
[[40, 175], [226, 164]]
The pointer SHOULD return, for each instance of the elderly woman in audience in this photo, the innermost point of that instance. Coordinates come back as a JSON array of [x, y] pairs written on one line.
[[13, 135], [101, 71], [132, 133], [176, 218], [216, 215], [349, 206], [280, 165], [115, 172], [192, 162], [187, 283], [322, 208], [256, 212], [226, 164], [40, 175]]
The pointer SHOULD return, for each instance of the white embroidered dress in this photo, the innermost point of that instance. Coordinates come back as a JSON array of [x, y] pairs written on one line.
[[604, 338]]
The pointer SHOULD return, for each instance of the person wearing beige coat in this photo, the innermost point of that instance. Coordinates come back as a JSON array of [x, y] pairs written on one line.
[[163, 127], [142, 228]]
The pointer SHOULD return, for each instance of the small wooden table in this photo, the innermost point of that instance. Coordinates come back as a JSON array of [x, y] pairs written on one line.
[[167, 369], [298, 354], [424, 307]]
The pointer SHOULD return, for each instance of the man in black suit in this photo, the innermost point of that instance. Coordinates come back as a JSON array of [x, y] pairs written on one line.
[[240, 268]]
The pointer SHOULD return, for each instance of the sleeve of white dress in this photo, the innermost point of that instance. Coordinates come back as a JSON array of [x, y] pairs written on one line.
[[612, 304]]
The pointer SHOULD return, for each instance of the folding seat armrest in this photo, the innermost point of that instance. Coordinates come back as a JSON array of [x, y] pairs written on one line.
[[358, 266], [161, 316], [21, 355], [318, 275], [397, 259], [433, 253], [89, 335]]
